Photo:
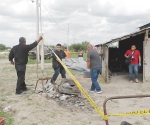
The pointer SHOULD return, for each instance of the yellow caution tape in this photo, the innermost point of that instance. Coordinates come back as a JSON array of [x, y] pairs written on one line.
[[144, 112], [82, 90]]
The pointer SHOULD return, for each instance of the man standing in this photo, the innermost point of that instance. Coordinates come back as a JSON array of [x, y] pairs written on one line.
[[20, 55], [135, 61], [58, 68], [94, 64], [67, 52]]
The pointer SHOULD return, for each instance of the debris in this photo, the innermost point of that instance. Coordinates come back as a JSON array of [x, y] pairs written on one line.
[[7, 109], [50, 89], [66, 93], [66, 88], [138, 123], [34, 124], [50, 95], [77, 102], [125, 123], [44, 95], [64, 97], [39, 90], [81, 104]]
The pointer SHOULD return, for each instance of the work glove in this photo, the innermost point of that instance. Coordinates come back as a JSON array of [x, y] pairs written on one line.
[[139, 64], [128, 57]]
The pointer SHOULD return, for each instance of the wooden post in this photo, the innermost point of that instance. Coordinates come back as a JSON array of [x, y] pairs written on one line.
[[106, 63], [146, 58]]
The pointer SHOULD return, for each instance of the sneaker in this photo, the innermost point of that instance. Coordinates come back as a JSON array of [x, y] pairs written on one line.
[[136, 80], [131, 81], [53, 82], [99, 92]]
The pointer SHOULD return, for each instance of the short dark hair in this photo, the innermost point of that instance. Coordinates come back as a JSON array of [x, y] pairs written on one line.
[[133, 45], [22, 40], [58, 44]]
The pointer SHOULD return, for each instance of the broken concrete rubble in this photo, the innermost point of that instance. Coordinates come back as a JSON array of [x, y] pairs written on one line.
[[125, 123], [66, 93], [64, 97], [65, 87], [68, 87]]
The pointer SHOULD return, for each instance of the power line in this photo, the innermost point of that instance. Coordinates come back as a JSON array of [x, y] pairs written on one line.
[[51, 17]]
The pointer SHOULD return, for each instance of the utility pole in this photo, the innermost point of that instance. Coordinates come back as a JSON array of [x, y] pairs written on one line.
[[68, 37], [42, 42], [37, 32]]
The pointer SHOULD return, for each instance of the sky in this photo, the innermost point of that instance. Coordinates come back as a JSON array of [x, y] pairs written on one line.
[[95, 21]]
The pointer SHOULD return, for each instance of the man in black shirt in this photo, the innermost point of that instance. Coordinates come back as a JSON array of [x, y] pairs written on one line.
[[20, 55], [58, 68]]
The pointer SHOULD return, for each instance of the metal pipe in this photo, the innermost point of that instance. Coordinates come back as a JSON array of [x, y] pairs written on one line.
[[119, 97]]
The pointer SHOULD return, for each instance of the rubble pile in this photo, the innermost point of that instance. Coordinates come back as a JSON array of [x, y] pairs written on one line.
[[66, 93]]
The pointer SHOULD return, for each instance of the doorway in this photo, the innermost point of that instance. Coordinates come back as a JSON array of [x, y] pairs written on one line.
[[116, 55]]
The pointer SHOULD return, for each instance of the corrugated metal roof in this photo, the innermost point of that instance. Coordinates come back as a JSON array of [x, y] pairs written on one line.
[[144, 26], [127, 36]]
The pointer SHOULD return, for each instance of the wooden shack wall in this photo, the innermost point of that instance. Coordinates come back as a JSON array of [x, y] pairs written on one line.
[[146, 59]]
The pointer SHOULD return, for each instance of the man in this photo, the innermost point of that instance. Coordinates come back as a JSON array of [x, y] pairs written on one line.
[[80, 54], [58, 68], [94, 64], [135, 61], [67, 52], [19, 56]]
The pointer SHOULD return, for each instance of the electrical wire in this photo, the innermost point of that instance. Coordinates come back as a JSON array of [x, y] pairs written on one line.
[[51, 17]]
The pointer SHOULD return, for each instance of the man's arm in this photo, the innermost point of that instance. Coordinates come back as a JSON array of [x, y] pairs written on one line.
[[11, 56], [88, 60], [126, 54], [139, 59], [63, 54], [31, 46], [88, 63]]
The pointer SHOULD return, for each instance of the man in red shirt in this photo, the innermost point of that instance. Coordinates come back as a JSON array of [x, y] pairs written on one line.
[[135, 61]]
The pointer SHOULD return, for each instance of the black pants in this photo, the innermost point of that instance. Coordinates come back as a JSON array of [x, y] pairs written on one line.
[[21, 70], [58, 70]]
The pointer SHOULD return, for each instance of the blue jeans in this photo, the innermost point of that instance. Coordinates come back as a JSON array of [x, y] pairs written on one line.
[[94, 76], [133, 67], [58, 70]]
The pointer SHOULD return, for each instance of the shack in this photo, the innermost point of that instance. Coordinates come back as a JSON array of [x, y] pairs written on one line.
[[112, 53]]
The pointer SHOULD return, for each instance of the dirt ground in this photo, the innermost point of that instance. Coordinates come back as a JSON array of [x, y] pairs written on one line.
[[34, 109]]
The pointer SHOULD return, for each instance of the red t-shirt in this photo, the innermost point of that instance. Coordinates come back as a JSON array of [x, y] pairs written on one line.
[[135, 55]]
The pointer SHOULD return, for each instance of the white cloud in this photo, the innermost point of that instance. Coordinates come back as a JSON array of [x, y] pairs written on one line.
[[97, 21]]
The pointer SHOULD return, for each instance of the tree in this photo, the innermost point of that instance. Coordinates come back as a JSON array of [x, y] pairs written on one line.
[[2, 47], [77, 47], [85, 43]]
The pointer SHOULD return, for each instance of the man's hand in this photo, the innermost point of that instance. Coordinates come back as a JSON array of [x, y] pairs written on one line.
[[12, 62], [127, 56], [140, 65], [40, 38]]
